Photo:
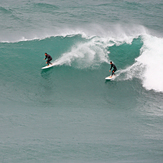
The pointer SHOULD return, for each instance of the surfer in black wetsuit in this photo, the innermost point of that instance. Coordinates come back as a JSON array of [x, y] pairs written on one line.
[[47, 56], [114, 68]]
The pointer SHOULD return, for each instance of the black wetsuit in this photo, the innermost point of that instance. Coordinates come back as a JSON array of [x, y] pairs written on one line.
[[114, 68], [49, 59]]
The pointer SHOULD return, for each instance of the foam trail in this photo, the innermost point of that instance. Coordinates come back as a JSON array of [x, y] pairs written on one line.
[[133, 71], [84, 55]]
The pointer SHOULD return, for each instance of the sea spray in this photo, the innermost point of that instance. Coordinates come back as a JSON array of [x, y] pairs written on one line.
[[84, 55]]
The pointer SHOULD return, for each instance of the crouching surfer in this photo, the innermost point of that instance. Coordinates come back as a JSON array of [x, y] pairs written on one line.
[[47, 56], [114, 68]]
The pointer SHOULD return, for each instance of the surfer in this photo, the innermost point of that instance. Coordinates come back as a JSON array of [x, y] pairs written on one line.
[[47, 56], [114, 68]]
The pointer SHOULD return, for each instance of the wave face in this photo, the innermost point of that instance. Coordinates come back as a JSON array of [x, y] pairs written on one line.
[[136, 55]]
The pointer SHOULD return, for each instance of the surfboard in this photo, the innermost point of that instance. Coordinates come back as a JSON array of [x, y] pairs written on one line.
[[51, 65], [110, 77]]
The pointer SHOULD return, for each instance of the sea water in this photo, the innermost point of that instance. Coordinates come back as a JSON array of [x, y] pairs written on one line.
[[69, 113]]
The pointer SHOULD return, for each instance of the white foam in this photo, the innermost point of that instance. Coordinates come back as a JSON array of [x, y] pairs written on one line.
[[152, 59]]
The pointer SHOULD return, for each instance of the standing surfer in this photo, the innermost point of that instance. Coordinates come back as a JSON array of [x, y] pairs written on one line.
[[114, 68], [47, 56]]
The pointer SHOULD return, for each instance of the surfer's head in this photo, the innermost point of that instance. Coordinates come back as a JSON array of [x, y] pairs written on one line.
[[45, 53], [111, 62]]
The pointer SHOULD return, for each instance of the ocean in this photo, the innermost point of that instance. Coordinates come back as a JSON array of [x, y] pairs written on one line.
[[69, 113]]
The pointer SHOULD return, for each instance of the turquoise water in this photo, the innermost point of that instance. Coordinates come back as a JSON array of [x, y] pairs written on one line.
[[69, 113]]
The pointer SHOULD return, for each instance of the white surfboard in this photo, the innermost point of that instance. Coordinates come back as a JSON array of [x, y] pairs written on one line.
[[48, 66], [110, 77]]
